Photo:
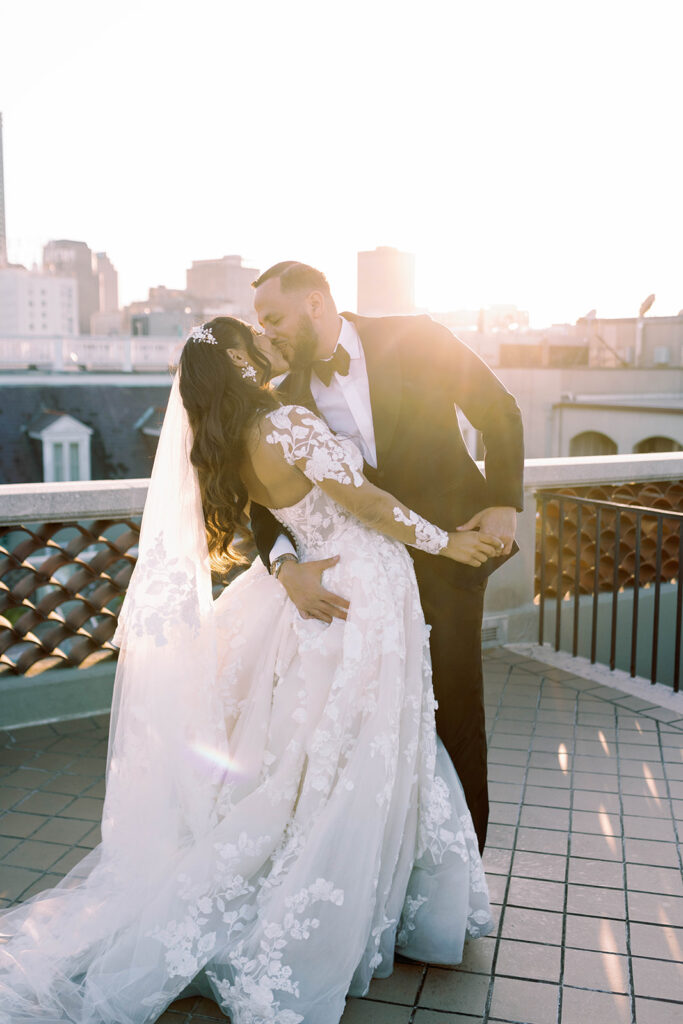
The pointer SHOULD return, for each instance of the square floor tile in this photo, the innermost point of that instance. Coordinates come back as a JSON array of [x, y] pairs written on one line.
[[500, 836], [477, 956], [595, 901], [35, 855], [657, 941], [647, 851], [496, 861], [19, 826], [14, 880], [545, 817], [528, 960], [503, 814], [589, 800], [596, 847], [532, 925], [593, 782], [644, 787], [10, 795], [542, 840], [539, 865], [588, 969], [533, 1002], [652, 828], [497, 885], [643, 878], [366, 1011], [44, 803], [660, 910], [587, 871], [537, 894], [597, 933], [545, 796], [596, 822], [655, 1011], [580, 1006], [454, 990], [84, 808], [401, 987], [63, 830], [657, 978], [70, 859], [646, 806], [69, 784]]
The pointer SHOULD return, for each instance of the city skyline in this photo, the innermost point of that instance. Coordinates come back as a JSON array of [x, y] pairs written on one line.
[[528, 157]]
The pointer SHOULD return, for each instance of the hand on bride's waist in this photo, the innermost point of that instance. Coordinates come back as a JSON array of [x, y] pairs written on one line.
[[303, 584]]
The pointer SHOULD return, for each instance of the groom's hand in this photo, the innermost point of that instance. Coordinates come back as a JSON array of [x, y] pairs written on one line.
[[500, 522], [303, 583]]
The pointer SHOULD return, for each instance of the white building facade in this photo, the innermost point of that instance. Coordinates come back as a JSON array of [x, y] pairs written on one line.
[[34, 305]]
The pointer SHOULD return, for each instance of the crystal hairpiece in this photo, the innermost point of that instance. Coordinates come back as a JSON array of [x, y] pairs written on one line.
[[204, 334]]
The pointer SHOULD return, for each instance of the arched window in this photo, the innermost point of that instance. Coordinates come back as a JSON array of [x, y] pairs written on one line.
[[590, 442], [657, 444]]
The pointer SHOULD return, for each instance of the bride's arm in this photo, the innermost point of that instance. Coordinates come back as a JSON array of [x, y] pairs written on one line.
[[307, 444]]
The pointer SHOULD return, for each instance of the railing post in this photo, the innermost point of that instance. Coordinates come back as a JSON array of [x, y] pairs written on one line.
[[658, 589], [615, 591], [541, 600], [558, 589], [596, 586]]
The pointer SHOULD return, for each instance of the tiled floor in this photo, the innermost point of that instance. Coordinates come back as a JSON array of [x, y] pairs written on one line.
[[583, 857]]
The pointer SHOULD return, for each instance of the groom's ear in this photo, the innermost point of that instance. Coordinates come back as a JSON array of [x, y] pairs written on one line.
[[316, 304]]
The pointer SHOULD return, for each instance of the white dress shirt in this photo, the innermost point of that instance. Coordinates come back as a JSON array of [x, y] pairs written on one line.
[[345, 407], [345, 404]]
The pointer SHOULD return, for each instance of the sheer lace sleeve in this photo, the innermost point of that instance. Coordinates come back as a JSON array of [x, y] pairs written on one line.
[[308, 444]]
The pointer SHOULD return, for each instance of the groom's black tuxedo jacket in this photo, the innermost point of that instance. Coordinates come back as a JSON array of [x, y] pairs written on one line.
[[418, 372]]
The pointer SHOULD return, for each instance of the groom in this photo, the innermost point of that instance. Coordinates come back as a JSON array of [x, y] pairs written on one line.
[[392, 385]]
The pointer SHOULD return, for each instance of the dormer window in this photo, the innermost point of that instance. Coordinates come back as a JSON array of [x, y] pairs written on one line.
[[66, 446]]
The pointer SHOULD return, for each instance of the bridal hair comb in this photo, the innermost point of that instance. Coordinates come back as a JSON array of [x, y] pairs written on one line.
[[202, 333], [248, 373]]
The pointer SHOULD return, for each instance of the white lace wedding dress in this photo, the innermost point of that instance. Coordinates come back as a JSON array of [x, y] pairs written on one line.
[[334, 827]]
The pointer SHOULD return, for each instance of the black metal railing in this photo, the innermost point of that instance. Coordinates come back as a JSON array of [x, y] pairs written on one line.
[[589, 547]]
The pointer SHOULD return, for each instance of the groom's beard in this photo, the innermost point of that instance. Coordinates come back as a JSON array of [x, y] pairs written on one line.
[[303, 346]]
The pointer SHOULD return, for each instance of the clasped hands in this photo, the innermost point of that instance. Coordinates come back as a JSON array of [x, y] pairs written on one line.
[[487, 534]]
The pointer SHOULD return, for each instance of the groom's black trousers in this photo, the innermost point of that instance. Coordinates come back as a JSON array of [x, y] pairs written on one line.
[[455, 615]]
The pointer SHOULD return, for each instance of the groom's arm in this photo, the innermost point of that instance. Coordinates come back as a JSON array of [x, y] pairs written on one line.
[[267, 530], [489, 407]]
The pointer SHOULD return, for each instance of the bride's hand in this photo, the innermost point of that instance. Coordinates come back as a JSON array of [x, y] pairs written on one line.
[[472, 547]]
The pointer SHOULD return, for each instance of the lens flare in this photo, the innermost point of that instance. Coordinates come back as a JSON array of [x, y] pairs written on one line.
[[221, 758]]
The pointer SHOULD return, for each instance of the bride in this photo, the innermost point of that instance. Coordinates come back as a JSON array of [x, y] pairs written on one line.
[[279, 816]]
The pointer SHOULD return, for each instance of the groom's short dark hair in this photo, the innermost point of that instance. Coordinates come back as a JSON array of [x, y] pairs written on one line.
[[294, 275]]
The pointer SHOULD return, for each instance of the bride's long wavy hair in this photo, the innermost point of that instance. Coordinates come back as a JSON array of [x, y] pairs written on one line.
[[220, 406]]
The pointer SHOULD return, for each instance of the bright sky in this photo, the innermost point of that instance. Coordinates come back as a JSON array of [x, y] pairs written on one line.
[[527, 151]]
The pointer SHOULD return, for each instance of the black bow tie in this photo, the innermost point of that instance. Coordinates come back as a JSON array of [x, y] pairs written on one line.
[[325, 369]]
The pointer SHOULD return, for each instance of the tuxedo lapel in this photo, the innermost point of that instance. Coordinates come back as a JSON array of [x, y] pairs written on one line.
[[384, 377]]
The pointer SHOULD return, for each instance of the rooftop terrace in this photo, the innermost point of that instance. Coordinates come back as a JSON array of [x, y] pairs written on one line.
[[583, 856]]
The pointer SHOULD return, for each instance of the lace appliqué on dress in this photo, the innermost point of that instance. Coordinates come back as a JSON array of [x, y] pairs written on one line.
[[307, 443], [428, 537]]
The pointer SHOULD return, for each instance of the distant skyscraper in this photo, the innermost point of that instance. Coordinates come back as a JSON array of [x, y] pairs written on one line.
[[108, 281], [386, 282], [75, 259], [3, 229], [223, 280]]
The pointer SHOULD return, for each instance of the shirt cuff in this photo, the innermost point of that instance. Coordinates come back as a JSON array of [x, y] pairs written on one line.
[[282, 546]]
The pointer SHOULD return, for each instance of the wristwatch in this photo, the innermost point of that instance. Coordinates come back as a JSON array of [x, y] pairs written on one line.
[[277, 563]]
